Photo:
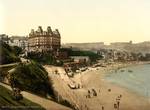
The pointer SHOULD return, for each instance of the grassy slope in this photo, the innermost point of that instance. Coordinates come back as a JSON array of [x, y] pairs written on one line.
[[32, 77], [6, 100], [4, 71]]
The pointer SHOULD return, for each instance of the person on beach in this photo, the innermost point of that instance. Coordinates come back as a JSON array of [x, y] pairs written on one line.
[[120, 95], [102, 107], [118, 104], [86, 96], [109, 90], [86, 107], [94, 92], [115, 106], [89, 94]]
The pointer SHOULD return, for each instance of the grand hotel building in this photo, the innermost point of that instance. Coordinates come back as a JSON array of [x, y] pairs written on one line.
[[41, 41]]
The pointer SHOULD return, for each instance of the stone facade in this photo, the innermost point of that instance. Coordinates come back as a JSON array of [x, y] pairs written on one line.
[[41, 41]]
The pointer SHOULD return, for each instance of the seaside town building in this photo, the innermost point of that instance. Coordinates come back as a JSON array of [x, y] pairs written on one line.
[[80, 59], [112, 55], [20, 41], [4, 38], [42, 41]]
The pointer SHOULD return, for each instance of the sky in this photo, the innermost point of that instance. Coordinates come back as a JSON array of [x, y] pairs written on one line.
[[79, 20]]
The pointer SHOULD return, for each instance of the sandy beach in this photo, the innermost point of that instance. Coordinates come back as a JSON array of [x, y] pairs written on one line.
[[107, 96]]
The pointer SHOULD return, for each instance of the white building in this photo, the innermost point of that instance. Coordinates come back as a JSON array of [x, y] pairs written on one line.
[[79, 59], [19, 41]]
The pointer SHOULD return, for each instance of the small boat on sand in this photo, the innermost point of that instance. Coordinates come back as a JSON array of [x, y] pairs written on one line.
[[122, 70], [130, 71]]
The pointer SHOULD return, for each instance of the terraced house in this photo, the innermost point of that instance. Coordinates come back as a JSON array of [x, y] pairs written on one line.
[[41, 41]]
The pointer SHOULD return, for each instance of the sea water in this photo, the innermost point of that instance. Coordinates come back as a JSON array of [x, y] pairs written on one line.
[[136, 78]]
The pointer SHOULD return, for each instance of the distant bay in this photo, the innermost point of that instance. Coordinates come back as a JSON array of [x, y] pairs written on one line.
[[135, 78]]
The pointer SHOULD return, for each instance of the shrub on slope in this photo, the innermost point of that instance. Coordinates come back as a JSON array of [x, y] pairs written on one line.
[[7, 103], [32, 77]]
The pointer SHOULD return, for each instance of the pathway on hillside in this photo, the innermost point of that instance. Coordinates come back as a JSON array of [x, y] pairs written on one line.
[[47, 104], [23, 60], [8, 65]]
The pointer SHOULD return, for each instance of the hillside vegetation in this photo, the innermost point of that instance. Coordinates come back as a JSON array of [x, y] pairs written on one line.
[[31, 77], [8, 54], [42, 58], [7, 102]]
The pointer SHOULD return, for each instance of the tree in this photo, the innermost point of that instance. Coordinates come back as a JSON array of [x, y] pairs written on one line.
[[17, 50], [7, 54]]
